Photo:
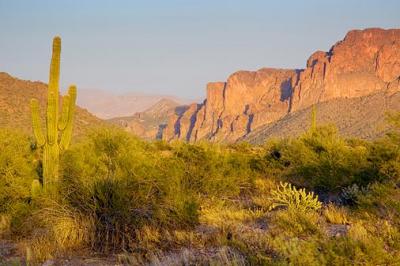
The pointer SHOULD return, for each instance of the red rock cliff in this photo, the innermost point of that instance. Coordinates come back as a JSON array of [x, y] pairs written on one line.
[[364, 62]]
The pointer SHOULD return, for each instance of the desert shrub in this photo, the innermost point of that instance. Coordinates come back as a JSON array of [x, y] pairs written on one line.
[[336, 162], [287, 195], [261, 196], [381, 199], [299, 251], [383, 162], [319, 159], [16, 168], [296, 223], [350, 194], [348, 251], [214, 170], [17, 171], [110, 178]]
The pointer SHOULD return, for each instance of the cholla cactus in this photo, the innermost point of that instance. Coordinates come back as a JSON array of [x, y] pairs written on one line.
[[51, 142], [288, 196]]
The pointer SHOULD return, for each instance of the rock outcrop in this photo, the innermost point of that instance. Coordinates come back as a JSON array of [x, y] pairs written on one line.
[[363, 63], [366, 61]]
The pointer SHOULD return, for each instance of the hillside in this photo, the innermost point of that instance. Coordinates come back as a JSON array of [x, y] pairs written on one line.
[[365, 62], [362, 117], [15, 96], [149, 123]]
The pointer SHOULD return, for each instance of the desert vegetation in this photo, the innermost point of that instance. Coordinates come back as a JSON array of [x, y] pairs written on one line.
[[314, 200], [317, 199]]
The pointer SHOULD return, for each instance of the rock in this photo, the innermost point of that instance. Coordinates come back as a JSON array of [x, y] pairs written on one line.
[[388, 62], [363, 63], [337, 230]]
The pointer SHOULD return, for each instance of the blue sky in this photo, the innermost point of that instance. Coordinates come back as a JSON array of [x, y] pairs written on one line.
[[176, 46]]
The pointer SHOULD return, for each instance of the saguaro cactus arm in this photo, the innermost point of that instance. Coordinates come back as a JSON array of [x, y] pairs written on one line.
[[65, 113], [67, 133], [37, 130]]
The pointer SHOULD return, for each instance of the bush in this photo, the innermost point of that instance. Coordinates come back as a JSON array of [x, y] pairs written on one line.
[[110, 179], [319, 159], [296, 223], [381, 199], [16, 175]]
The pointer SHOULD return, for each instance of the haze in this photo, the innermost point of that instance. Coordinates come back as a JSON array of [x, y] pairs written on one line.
[[174, 47]]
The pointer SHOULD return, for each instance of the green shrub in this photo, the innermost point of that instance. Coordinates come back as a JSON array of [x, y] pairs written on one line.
[[17, 171], [108, 177], [16, 168], [319, 159], [296, 223], [381, 199]]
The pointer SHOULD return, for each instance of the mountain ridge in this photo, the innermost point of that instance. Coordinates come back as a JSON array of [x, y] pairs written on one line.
[[15, 96], [149, 123], [108, 105], [363, 63]]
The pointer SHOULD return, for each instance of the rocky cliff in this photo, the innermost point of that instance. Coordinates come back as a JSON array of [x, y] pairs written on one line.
[[363, 63]]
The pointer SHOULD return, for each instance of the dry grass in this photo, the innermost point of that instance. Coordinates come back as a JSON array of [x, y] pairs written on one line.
[[221, 214], [335, 215], [5, 223]]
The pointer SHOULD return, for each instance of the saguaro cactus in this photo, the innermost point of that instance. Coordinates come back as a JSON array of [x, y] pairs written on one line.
[[51, 142]]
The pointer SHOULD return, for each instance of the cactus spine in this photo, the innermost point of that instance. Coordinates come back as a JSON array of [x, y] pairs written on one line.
[[51, 142]]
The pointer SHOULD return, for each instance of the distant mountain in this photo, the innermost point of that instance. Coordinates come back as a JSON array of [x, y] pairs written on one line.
[[107, 105], [150, 123], [15, 96], [365, 63]]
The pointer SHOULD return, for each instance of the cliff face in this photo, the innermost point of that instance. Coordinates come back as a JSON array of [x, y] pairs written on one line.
[[363, 63], [233, 108]]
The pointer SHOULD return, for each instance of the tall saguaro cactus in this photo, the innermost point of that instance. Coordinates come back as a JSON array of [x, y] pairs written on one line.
[[58, 129]]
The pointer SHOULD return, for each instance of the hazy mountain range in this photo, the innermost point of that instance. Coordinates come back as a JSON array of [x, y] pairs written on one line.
[[106, 105]]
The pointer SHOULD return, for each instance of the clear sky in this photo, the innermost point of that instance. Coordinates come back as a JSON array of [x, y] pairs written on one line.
[[174, 46]]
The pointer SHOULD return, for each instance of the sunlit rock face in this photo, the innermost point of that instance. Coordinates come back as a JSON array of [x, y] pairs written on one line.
[[363, 63]]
